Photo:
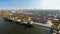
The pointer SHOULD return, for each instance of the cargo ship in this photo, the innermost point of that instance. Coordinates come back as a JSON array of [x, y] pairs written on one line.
[[21, 19]]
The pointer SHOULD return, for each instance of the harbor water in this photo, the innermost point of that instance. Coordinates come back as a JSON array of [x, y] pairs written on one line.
[[14, 28]]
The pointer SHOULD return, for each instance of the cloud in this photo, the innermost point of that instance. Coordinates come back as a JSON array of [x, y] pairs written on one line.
[[50, 4]]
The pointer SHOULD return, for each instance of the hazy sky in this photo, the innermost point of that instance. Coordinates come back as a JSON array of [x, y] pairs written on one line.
[[42, 4], [19, 3], [50, 4]]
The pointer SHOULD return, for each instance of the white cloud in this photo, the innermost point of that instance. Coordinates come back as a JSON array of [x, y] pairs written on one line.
[[50, 4]]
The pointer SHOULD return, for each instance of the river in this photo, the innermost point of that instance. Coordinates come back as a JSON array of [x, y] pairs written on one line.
[[14, 28]]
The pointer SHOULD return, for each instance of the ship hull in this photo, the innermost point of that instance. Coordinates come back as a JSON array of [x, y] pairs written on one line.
[[20, 23]]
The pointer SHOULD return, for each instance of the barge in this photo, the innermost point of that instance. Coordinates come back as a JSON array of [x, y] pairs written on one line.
[[22, 20]]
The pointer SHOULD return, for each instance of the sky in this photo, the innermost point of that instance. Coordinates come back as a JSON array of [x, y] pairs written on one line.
[[51, 4], [19, 3], [41, 4]]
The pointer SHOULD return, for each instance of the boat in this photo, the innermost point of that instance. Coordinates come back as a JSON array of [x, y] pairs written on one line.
[[22, 20]]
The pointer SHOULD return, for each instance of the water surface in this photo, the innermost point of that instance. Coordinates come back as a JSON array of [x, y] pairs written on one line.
[[14, 28]]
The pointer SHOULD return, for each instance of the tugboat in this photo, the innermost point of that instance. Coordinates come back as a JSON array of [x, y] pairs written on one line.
[[22, 20]]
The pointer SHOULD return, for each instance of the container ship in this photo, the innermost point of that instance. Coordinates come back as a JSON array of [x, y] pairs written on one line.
[[21, 19]]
